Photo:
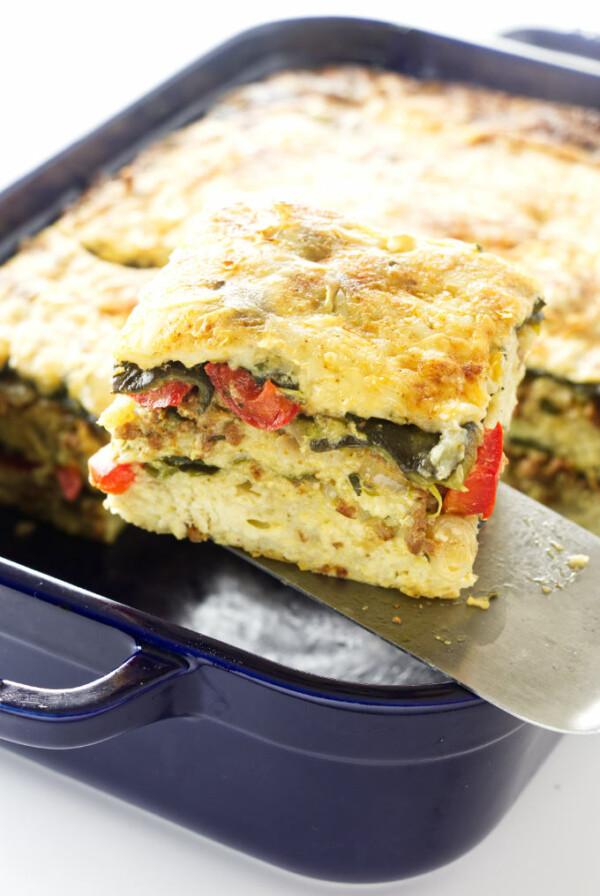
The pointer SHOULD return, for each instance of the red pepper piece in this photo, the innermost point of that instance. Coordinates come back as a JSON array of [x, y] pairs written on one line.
[[168, 395], [108, 475], [263, 406], [482, 482]]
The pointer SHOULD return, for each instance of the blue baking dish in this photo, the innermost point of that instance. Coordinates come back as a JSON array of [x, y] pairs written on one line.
[[335, 779], [190, 683]]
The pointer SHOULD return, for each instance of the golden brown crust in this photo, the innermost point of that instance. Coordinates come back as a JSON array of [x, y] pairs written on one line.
[[520, 176], [367, 322]]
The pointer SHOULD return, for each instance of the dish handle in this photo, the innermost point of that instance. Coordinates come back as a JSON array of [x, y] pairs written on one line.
[[140, 691]]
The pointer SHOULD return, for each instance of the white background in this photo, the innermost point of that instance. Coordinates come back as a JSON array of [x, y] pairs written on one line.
[[64, 68]]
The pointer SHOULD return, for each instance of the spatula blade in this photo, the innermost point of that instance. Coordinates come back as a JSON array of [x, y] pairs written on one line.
[[535, 652]]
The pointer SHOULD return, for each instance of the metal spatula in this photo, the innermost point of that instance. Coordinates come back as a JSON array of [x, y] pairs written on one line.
[[535, 652]]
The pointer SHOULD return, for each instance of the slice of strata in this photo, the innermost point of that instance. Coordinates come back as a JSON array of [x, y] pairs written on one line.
[[60, 308], [317, 391]]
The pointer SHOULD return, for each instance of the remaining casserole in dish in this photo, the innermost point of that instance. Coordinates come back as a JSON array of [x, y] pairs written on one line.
[[60, 308], [317, 391], [520, 176]]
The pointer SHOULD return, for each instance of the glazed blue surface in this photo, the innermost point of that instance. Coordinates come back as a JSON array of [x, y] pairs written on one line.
[[169, 689], [338, 780]]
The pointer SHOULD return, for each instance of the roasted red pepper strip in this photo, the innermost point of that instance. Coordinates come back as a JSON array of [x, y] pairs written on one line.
[[168, 395], [109, 476], [70, 481], [263, 406], [482, 482]]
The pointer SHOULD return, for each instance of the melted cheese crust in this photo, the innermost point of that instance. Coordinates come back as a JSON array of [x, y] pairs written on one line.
[[520, 176], [367, 322]]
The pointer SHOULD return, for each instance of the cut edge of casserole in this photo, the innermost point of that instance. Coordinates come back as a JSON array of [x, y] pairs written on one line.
[[553, 446], [552, 480], [60, 308]]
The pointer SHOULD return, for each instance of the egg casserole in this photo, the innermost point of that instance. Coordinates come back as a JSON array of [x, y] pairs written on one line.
[[519, 175], [60, 308], [318, 391]]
